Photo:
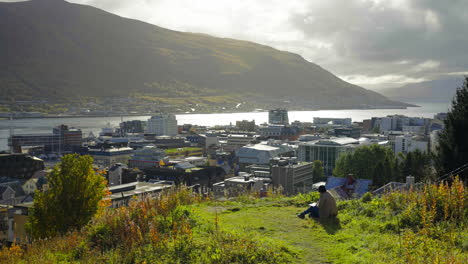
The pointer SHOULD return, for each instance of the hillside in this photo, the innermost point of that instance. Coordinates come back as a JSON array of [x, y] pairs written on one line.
[[57, 50], [411, 227], [436, 91]]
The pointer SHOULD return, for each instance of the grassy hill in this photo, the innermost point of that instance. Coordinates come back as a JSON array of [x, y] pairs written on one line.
[[55, 49], [426, 226]]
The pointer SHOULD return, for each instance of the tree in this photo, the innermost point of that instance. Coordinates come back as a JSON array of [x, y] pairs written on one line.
[[71, 199], [452, 150], [417, 164], [318, 173], [375, 162]]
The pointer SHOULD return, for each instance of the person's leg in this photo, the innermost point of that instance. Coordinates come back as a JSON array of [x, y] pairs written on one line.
[[312, 211], [301, 215]]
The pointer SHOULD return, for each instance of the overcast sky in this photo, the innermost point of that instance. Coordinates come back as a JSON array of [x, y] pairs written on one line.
[[372, 43]]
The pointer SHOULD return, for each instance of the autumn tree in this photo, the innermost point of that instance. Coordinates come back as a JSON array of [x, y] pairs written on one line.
[[71, 199]]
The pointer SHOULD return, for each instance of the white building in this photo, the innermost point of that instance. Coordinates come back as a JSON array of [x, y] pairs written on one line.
[[413, 129], [408, 142], [326, 150], [162, 125], [261, 153], [401, 123]]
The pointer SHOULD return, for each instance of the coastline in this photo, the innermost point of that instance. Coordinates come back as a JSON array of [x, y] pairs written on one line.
[[230, 111]]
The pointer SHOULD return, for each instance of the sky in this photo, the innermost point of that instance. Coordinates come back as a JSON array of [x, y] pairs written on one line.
[[372, 43]]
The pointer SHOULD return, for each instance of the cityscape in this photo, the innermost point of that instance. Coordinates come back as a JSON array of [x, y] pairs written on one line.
[[145, 157], [244, 132]]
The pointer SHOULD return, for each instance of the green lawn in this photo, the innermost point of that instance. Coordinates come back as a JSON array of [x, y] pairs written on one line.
[[275, 223], [355, 237]]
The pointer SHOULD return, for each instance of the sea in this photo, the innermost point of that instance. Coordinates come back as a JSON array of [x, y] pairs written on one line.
[[95, 124]]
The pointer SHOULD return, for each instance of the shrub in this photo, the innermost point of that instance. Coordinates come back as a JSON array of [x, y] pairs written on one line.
[[367, 197]]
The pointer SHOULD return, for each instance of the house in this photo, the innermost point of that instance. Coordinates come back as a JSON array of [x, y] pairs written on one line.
[[11, 193]]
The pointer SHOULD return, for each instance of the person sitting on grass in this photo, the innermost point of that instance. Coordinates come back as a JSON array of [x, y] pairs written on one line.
[[324, 209]]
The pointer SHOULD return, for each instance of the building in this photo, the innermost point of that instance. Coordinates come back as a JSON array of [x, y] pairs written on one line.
[[63, 138], [440, 116], [279, 132], [278, 117], [70, 137], [114, 174], [122, 194], [146, 157], [409, 142], [11, 193], [245, 125], [414, 129], [292, 176], [162, 125], [19, 166], [49, 142], [108, 157], [237, 185], [327, 151], [367, 125], [133, 126], [236, 141], [397, 122], [352, 132], [332, 121], [262, 153]]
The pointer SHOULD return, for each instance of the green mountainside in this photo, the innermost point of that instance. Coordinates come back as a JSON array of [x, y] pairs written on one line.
[[57, 50]]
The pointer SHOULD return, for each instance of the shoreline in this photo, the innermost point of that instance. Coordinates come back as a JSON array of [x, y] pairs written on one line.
[[204, 113]]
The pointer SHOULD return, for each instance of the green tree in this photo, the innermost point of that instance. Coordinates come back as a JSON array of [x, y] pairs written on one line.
[[417, 164], [71, 199], [452, 150], [375, 162], [318, 173]]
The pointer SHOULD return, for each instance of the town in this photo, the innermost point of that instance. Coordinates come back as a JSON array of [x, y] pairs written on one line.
[[143, 158]]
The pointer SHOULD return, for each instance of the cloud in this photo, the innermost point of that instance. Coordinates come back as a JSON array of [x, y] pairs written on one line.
[[374, 43]]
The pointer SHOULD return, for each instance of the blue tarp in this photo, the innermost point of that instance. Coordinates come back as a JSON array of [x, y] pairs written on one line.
[[362, 185]]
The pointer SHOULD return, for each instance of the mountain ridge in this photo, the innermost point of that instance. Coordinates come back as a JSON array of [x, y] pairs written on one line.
[[52, 48], [436, 91]]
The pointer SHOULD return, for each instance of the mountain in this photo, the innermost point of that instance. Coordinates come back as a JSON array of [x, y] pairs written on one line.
[[55, 49], [436, 91]]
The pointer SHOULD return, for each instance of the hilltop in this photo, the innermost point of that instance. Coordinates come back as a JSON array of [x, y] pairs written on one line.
[[62, 51], [424, 226]]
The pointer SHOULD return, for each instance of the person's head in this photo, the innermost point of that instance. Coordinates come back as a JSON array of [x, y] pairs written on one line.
[[322, 189]]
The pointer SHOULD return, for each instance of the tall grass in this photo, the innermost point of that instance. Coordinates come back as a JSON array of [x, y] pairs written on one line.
[[150, 230]]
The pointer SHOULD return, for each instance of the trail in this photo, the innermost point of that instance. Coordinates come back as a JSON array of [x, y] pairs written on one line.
[[276, 223]]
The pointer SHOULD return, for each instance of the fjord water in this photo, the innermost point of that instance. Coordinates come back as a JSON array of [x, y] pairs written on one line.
[[94, 124]]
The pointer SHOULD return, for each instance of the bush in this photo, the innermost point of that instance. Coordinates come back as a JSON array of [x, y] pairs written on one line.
[[367, 197]]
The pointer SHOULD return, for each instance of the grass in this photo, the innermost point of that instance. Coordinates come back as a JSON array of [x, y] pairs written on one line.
[[179, 227]]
